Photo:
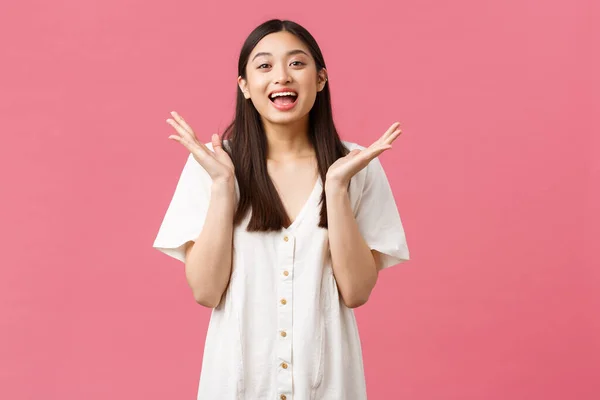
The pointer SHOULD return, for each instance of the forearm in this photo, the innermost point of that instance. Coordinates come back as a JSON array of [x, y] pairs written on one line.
[[208, 263], [353, 264]]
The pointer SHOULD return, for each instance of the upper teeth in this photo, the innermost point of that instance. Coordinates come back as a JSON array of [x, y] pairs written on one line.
[[283, 94]]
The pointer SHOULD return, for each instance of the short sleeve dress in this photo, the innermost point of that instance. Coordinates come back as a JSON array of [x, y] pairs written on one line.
[[281, 331]]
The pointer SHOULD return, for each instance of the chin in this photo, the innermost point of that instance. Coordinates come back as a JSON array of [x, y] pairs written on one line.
[[285, 121], [284, 118]]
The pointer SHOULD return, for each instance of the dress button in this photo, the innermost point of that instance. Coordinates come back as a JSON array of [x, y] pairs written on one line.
[[285, 273], [283, 397], [283, 334], [285, 239], [283, 301], [284, 365]]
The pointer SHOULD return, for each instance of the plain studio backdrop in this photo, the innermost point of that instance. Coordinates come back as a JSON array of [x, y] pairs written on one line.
[[496, 176]]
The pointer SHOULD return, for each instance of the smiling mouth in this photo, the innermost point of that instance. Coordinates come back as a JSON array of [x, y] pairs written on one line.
[[283, 99]]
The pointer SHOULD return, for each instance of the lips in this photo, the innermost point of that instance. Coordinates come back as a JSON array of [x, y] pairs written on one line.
[[283, 90], [282, 104], [287, 99]]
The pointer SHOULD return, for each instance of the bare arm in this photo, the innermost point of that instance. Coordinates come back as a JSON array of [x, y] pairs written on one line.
[[354, 264], [208, 260]]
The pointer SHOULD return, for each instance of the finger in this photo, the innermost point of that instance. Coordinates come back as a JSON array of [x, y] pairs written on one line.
[[374, 152], [180, 129], [180, 140], [187, 136], [365, 156], [390, 131], [386, 135], [182, 122], [185, 130], [216, 142], [189, 145], [390, 139]]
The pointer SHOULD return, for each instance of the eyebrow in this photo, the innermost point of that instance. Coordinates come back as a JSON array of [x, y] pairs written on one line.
[[289, 53]]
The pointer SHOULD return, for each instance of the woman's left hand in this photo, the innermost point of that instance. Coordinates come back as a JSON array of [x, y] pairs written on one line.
[[343, 169]]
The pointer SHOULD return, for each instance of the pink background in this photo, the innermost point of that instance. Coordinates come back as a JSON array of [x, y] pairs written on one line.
[[496, 176]]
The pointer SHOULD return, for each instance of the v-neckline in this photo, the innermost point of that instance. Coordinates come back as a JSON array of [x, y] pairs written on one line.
[[306, 205]]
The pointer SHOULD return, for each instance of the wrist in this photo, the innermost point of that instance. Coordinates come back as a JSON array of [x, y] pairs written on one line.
[[223, 186], [334, 186]]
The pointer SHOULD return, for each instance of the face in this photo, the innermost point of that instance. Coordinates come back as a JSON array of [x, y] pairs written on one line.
[[282, 62]]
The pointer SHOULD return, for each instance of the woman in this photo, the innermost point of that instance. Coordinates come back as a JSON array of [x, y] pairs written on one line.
[[282, 228]]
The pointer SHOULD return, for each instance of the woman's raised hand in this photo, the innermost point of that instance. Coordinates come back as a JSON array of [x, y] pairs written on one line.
[[344, 168], [218, 164]]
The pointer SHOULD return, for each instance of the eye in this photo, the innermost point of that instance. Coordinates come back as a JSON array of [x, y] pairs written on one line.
[[261, 66], [299, 62]]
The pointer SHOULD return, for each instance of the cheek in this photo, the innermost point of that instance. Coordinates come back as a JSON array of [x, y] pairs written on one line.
[[309, 93], [308, 84], [254, 82]]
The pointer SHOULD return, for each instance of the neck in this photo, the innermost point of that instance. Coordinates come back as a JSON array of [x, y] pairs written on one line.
[[289, 141]]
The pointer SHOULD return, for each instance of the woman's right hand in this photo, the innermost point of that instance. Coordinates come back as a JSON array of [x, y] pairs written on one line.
[[218, 164]]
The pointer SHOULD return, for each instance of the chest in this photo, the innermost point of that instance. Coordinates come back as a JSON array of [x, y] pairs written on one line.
[[294, 184]]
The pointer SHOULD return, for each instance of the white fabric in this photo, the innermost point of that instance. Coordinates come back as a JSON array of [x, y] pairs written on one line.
[[245, 350]]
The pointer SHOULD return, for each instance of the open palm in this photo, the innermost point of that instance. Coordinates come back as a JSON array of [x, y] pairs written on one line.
[[344, 168], [217, 164]]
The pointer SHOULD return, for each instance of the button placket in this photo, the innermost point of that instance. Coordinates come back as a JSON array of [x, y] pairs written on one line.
[[285, 302]]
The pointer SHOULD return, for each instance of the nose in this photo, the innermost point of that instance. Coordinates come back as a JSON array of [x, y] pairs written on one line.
[[283, 76]]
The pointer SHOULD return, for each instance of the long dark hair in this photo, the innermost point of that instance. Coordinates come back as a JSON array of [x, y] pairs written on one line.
[[248, 143]]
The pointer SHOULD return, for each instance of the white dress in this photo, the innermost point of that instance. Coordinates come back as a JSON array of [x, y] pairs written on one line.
[[281, 331]]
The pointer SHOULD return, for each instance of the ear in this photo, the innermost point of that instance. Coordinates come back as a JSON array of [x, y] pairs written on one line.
[[243, 87], [321, 79]]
